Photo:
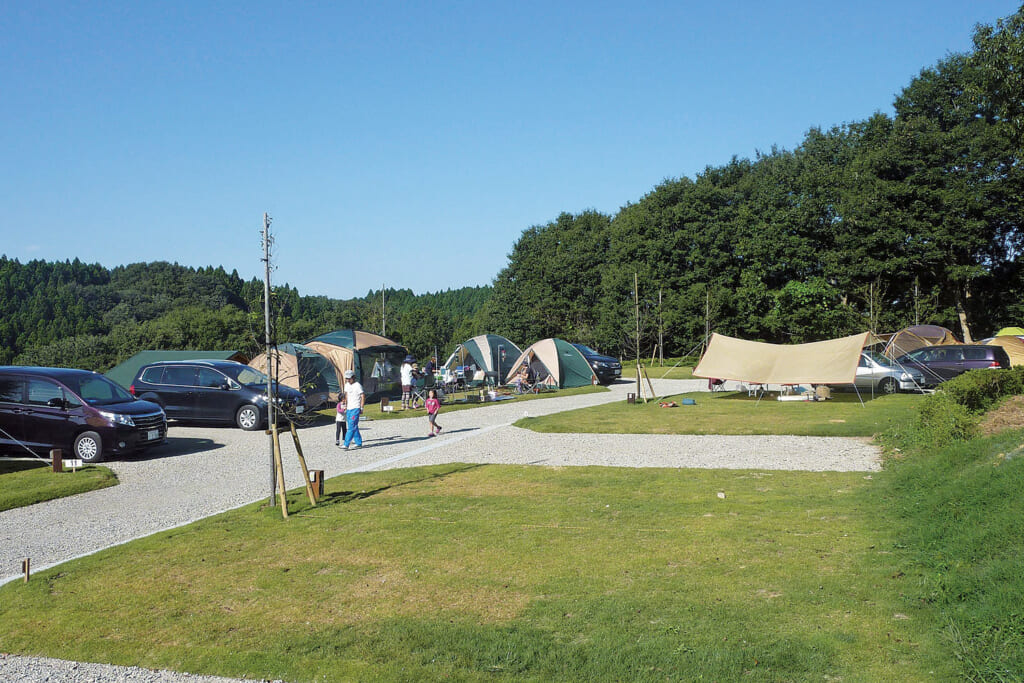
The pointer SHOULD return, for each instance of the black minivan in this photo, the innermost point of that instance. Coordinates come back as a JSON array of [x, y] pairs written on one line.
[[220, 391], [78, 411], [606, 368]]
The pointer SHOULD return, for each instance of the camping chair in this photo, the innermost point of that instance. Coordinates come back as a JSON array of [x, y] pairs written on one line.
[[419, 392]]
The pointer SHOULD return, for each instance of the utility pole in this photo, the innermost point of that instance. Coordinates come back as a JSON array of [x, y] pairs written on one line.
[[661, 333], [636, 299], [383, 314], [267, 241]]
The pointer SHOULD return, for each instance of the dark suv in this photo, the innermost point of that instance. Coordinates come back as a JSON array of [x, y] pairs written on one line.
[[606, 368], [939, 363], [78, 411], [212, 391]]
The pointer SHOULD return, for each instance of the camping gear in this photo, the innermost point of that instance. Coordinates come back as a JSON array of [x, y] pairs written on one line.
[[376, 360], [302, 368], [915, 337], [1012, 344], [554, 363], [1011, 332]]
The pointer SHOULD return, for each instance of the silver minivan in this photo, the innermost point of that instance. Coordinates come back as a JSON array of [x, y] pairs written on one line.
[[878, 374]]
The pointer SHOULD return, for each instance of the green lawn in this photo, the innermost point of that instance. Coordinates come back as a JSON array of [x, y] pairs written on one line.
[[735, 413], [667, 371], [485, 573], [24, 482]]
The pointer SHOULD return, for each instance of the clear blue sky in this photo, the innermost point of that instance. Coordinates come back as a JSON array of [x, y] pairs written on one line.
[[410, 143]]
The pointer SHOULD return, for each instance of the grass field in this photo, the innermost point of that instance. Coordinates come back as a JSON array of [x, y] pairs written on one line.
[[735, 413], [484, 573], [25, 482]]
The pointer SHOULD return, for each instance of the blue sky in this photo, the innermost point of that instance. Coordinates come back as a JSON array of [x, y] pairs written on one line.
[[410, 143]]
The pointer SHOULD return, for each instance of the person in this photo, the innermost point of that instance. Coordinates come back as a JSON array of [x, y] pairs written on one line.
[[407, 373], [523, 378], [430, 367], [355, 399], [433, 405], [340, 419]]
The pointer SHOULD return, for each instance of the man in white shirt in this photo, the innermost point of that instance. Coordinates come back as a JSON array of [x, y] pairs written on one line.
[[355, 399], [407, 380]]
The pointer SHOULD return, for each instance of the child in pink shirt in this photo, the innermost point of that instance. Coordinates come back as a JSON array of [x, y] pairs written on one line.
[[433, 405]]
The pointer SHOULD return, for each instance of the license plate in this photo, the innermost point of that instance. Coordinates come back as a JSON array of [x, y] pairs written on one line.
[[153, 435], [299, 409], [617, 372]]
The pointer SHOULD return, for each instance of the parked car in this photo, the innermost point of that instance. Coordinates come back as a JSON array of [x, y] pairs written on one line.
[[879, 374], [78, 411], [940, 363], [212, 391], [606, 368]]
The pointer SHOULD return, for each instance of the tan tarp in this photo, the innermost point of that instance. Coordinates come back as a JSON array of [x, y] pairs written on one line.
[[826, 362], [1014, 347], [339, 356], [288, 374]]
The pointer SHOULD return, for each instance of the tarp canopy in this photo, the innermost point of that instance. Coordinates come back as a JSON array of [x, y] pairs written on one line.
[[826, 362], [555, 362], [491, 353], [301, 368], [1013, 345], [376, 360], [916, 337]]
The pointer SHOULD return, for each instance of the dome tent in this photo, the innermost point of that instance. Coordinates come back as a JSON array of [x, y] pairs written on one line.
[[376, 360], [1012, 344], [301, 368], [1010, 331], [555, 362], [491, 353], [916, 337]]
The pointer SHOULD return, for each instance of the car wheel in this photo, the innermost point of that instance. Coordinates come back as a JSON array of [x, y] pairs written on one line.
[[888, 386], [248, 418], [88, 447]]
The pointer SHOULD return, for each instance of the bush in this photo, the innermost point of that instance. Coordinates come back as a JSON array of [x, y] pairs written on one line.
[[979, 390]]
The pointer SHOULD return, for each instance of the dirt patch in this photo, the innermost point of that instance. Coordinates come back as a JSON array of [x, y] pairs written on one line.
[[1010, 415]]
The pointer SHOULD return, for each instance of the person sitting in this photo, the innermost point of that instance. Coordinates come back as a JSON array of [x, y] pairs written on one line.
[[522, 379]]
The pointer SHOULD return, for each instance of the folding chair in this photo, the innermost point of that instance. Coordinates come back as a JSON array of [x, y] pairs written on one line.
[[419, 392]]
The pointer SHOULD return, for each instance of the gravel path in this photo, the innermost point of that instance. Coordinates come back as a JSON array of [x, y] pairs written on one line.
[[203, 471]]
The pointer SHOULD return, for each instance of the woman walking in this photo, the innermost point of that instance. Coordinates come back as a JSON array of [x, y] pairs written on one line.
[[354, 400]]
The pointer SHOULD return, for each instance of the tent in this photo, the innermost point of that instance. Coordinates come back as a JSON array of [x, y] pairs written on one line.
[[124, 373], [491, 353], [555, 362], [1010, 331], [376, 360], [302, 368], [1014, 346], [916, 337], [826, 362]]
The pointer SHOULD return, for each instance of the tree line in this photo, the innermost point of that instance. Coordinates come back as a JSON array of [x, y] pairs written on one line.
[[870, 225]]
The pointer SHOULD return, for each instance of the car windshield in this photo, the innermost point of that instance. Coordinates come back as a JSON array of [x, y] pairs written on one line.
[[97, 390], [586, 350], [879, 359]]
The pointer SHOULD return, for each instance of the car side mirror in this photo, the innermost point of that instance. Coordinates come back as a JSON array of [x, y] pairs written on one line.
[[225, 386], [56, 403]]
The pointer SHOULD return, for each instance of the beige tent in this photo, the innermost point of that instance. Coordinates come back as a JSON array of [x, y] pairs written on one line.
[[554, 362], [916, 337], [301, 368], [1014, 346], [826, 362]]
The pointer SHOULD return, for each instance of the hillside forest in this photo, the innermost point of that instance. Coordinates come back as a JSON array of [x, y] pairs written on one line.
[[870, 225]]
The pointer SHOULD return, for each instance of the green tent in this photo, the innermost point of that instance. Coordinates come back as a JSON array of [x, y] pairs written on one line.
[[491, 353], [1010, 332], [124, 373], [555, 362]]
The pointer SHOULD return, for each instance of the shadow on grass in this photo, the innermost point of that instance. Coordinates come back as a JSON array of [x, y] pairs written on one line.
[[342, 497], [10, 465]]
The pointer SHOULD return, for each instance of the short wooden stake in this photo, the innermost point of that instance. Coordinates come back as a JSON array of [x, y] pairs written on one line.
[[25, 565], [316, 480], [57, 458], [305, 470]]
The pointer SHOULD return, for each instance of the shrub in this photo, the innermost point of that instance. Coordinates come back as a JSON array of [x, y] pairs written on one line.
[[979, 390]]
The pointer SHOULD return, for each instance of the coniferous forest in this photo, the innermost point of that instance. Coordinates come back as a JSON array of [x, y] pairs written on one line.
[[869, 225]]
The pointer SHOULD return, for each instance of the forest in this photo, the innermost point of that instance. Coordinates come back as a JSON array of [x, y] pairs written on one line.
[[869, 225]]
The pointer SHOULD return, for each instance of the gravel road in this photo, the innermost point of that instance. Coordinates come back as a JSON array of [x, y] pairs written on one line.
[[202, 471]]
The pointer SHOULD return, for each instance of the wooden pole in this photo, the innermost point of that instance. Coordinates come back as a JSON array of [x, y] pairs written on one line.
[[302, 463], [279, 468]]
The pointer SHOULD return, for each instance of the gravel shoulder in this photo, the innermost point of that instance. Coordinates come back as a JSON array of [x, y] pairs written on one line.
[[203, 471]]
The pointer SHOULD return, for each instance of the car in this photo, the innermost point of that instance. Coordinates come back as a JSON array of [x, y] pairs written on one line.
[[880, 375], [941, 363], [78, 411], [217, 391], [606, 368]]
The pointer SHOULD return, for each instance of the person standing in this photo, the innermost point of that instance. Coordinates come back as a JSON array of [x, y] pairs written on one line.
[[407, 379], [355, 399], [340, 419], [433, 405]]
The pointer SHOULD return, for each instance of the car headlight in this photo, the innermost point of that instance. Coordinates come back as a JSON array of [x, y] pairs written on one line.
[[260, 398], [600, 364], [118, 418]]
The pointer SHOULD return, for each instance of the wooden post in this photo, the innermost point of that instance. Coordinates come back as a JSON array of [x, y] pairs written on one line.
[[302, 463], [279, 470], [57, 459], [317, 477], [25, 567]]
